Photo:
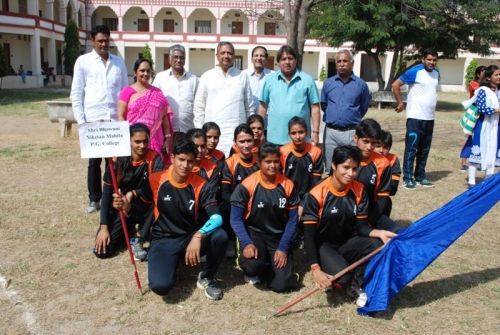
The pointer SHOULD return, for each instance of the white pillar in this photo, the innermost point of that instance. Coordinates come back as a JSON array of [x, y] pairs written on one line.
[[152, 46], [357, 64], [151, 24], [186, 65], [185, 25], [51, 53], [48, 11], [468, 59], [33, 8], [389, 56], [322, 62], [120, 46], [36, 65], [62, 13], [120, 23], [217, 26], [255, 27], [249, 58]]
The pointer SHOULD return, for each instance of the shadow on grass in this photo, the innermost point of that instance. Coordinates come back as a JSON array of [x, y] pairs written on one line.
[[8, 97], [437, 175], [424, 293], [448, 106]]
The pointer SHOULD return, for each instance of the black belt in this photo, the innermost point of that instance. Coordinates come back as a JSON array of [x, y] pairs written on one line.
[[334, 127]]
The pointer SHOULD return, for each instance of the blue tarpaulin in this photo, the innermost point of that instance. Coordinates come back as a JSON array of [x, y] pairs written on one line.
[[417, 246]]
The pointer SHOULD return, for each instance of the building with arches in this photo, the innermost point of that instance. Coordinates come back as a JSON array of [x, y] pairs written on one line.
[[32, 33]]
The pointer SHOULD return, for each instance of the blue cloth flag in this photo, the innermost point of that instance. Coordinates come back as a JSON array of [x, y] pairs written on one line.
[[417, 246]]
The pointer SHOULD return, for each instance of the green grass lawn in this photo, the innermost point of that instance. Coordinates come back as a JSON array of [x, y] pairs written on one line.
[[30, 102]]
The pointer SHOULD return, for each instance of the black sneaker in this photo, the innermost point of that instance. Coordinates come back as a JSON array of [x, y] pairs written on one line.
[[212, 291], [425, 183], [409, 184]]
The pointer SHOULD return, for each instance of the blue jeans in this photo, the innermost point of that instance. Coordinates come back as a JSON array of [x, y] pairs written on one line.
[[164, 254], [417, 146]]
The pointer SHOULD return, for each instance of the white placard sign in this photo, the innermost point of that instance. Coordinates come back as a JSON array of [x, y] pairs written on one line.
[[104, 139]]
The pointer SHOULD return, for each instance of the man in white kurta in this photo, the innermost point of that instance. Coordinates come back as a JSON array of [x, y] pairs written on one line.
[[224, 96]]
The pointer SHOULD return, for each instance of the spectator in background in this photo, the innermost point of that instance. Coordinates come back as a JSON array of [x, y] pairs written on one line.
[[422, 81], [287, 93], [179, 87], [98, 78], [344, 99], [22, 73], [259, 73], [224, 97]]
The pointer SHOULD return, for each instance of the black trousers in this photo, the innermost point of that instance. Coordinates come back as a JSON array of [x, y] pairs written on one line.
[[280, 280], [165, 253], [94, 179], [117, 237], [418, 141], [334, 258]]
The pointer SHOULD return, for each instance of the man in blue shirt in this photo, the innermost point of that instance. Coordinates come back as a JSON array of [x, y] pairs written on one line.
[[288, 93], [344, 99]]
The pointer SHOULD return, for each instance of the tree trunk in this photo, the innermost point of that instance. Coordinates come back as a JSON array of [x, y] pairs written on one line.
[[291, 19], [378, 68], [395, 61]]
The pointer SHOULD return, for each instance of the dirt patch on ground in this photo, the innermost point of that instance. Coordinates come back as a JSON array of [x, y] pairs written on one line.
[[47, 240]]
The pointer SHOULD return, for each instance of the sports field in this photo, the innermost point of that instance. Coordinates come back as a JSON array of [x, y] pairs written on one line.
[[50, 282]]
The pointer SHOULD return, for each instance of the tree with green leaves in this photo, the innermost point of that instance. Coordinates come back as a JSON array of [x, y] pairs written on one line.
[[4, 64], [470, 72], [405, 26], [71, 49], [146, 54]]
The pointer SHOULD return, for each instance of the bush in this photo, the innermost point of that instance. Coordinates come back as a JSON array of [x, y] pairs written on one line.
[[470, 71], [322, 74], [146, 54], [71, 47]]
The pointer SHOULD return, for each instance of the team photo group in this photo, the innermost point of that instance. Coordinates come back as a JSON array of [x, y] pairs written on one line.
[[229, 165]]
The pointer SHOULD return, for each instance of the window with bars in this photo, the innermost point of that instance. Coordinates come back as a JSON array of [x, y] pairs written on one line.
[[23, 6], [202, 26], [111, 23]]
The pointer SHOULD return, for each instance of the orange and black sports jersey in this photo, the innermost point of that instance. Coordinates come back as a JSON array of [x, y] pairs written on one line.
[[179, 209], [266, 205], [335, 213], [136, 172], [395, 172], [235, 169], [303, 168], [375, 174], [207, 169], [216, 156]]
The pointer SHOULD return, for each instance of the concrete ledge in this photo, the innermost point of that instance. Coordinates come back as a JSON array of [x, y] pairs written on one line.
[[61, 112], [385, 96]]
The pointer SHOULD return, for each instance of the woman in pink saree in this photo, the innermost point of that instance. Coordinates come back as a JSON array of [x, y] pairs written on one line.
[[144, 103]]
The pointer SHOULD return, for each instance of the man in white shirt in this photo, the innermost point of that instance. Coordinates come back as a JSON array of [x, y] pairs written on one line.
[[258, 74], [98, 78], [422, 81], [224, 97], [179, 87]]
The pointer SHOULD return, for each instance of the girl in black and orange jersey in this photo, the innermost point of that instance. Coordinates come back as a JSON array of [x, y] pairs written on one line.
[[256, 123], [204, 167], [235, 169], [132, 172], [336, 228], [212, 133], [264, 217]]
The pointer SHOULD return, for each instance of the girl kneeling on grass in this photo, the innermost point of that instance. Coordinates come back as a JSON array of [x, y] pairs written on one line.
[[131, 172], [336, 228]]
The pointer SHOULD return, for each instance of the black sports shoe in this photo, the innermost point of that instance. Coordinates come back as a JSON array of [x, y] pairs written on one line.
[[212, 291]]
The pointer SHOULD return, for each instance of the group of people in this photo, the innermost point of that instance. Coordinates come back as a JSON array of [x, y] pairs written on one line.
[[482, 145], [187, 201]]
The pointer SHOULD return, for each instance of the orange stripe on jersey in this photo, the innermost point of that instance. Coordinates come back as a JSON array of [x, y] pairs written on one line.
[[358, 189], [381, 163], [319, 193], [391, 158], [250, 184], [310, 222], [155, 181], [395, 177]]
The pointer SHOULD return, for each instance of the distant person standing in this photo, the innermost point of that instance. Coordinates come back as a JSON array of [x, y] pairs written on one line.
[[287, 93], [224, 97], [258, 74], [344, 99], [179, 87], [98, 78], [22, 73], [422, 81]]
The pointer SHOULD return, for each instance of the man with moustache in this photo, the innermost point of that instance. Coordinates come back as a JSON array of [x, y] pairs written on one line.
[[224, 97], [344, 99], [258, 74], [287, 93], [98, 78], [179, 87]]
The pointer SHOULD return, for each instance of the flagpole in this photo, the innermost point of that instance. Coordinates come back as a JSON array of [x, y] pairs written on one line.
[[124, 224], [334, 278]]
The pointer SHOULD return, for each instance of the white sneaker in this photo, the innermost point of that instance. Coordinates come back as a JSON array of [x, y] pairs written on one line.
[[251, 280]]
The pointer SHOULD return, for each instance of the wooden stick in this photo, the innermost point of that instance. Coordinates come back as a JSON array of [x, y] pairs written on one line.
[[348, 269], [124, 225]]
